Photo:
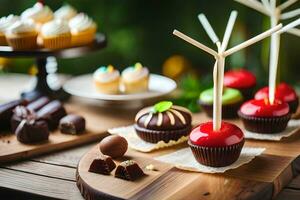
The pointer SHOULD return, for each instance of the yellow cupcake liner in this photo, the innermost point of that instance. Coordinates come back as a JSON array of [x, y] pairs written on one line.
[[83, 38], [2, 40], [136, 86], [57, 42], [109, 87], [22, 42]]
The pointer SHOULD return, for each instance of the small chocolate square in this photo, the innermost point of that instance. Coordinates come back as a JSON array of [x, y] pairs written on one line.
[[102, 165], [72, 124], [129, 170]]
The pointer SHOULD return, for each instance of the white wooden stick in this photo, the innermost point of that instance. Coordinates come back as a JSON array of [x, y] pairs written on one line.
[[267, 5], [195, 43], [287, 4], [207, 27], [255, 5], [216, 111], [290, 14], [252, 40], [294, 31], [289, 26], [228, 30]]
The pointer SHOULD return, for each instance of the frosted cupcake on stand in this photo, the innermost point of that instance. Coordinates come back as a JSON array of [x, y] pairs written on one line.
[[107, 80], [66, 12], [5, 23]]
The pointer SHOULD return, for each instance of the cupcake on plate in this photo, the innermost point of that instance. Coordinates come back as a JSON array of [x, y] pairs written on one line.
[[163, 122], [283, 92], [56, 34], [107, 80], [260, 116], [22, 35], [242, 80], [5, 23], [39, 14], [216, 148], [66, 12], [232, 99], [135, 79], [83, 29]]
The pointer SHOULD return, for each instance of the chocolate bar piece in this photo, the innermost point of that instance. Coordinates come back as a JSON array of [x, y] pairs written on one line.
[[32, 131], [20, 113], [38, 104], [129, 170], [52, 113], [72, 124], [102, 165], [6, 112]]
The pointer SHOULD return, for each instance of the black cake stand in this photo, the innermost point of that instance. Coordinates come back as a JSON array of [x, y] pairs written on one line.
[[42, 88]]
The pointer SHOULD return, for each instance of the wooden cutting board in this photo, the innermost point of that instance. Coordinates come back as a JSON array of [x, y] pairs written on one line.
[[262, 178]]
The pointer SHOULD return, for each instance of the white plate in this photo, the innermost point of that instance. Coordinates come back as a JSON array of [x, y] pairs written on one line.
[[83, 86]]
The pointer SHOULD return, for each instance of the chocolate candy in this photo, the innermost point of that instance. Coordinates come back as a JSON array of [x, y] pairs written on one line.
[[52, 113], [114, 146], [32, 131], [6, 112], [38, 104], [72, 124], [102, 165], [20, 113], [129, 170]]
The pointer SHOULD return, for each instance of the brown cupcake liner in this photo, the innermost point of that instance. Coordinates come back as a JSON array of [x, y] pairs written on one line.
[[83, 38], [265, 125], [154, 136], [217, 156], [228, 111], [3, 40], [294, 105], [58, 42], [22, 42]]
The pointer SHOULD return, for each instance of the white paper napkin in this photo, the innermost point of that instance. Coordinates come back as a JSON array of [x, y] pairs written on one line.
[[136, 143], [293, 127], [185, 160]]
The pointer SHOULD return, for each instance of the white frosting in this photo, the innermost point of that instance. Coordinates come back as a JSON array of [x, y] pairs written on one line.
[[55, 27], [21, 27], [104, 77], [65, 12], [6, 22], [38, 13], [130, 74], [81, 22]]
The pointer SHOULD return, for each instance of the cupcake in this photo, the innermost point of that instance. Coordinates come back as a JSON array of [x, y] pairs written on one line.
[[283, 92], [260, 116], [242, 80], [163, 122], [135, 79], [216, 148], [39, 14], [232, 99], [83, 29], [22, 35], [5, 23], [56, 34], [66, 12], [107, 80]]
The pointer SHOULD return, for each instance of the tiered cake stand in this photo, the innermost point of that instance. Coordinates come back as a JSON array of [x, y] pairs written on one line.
[[42, 88]]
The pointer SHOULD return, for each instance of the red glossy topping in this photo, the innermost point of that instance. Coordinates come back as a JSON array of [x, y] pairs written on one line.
[[239, 79], [204, 135], [263, 108], [284, 92]]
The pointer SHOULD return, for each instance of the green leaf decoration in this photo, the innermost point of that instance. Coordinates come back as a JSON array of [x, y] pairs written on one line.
[[162, 106]]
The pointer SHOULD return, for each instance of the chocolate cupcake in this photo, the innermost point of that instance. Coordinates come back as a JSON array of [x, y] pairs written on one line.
[[283, 92], [242, 80], [261, 116], [232, 99], [216, 148], [163, 122]]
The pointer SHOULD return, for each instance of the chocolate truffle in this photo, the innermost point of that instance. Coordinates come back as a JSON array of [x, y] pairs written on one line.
[[38, 104], [163, 122], [102, 165], [32, 131], [129, 170], [72, 124], [114, 146], [20, 113], [6, 112], [52, 113]]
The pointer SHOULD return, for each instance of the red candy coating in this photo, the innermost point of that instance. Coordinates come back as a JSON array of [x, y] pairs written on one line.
[[263, 108], [204, 135], [239, 79], [283, 92]]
